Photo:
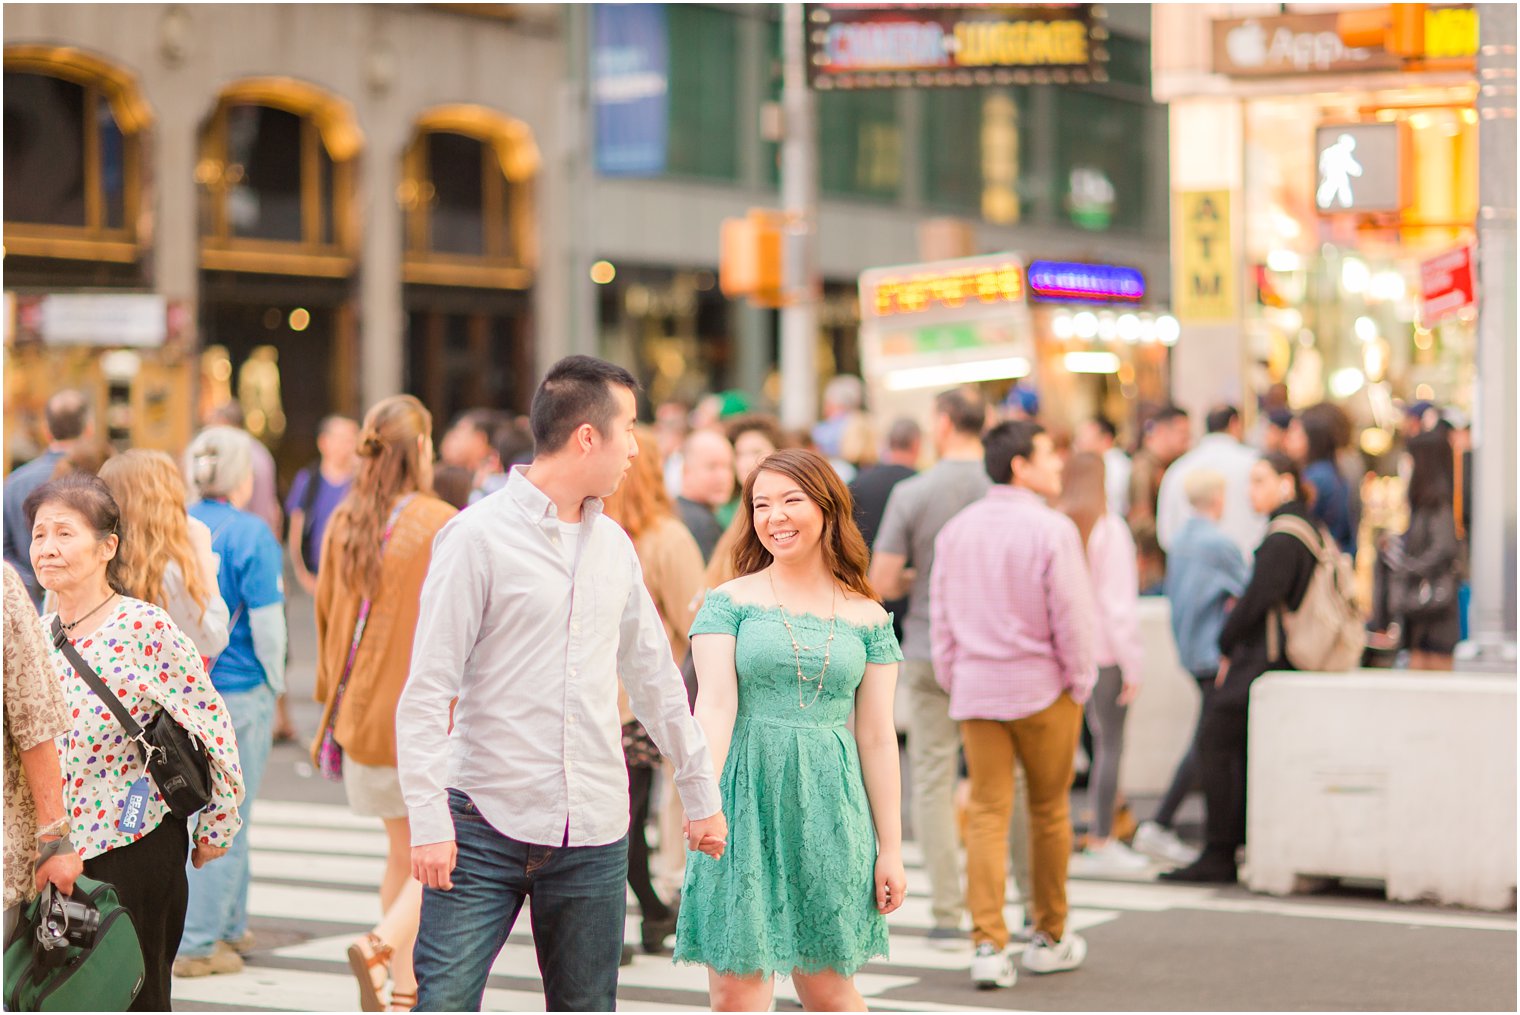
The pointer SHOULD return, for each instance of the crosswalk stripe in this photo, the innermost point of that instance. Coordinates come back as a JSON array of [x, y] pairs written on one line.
[[318, 865]]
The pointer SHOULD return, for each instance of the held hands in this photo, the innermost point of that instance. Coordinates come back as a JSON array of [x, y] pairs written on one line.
[[708, 835], [61, 870], [891, 882], [433, 864], [204, 853], [1128, 693]]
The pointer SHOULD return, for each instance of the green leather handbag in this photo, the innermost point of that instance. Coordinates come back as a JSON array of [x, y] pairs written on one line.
[[55, 962]]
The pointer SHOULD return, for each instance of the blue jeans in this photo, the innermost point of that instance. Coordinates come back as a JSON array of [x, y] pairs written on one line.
[[579, 906], [218, 908]]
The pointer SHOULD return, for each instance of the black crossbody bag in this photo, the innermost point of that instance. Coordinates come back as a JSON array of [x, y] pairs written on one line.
[[176, 761]]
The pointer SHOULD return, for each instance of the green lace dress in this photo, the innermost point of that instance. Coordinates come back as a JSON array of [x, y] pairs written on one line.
[[795, 888]]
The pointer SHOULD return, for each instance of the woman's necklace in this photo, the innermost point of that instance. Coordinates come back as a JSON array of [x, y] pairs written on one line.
[[70, 626], [798, 648]]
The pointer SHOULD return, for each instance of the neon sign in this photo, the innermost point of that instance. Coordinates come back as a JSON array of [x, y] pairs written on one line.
[[984, 284], [1069, 280]]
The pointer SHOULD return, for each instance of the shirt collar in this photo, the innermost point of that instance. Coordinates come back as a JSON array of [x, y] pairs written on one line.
[[1017, 493], [537, 503]]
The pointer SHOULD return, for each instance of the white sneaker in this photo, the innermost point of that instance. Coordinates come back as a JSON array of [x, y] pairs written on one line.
[[1113, 859], [1163, 844], [991, 968], [1045, 956]]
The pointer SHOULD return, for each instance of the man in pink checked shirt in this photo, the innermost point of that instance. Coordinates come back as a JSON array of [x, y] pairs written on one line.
[[1012, 631]]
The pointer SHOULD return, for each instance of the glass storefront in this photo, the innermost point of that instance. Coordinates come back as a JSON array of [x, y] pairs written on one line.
[[1337, 310]]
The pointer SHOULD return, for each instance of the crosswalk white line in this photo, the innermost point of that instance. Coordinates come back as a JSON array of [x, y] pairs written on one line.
[[319, 865]]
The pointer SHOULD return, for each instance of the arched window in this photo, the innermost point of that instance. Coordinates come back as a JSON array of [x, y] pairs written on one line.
[[73, 155], [276, 176], [467, 197]]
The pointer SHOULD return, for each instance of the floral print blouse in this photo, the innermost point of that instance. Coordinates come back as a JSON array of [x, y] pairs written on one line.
[[141, 655]]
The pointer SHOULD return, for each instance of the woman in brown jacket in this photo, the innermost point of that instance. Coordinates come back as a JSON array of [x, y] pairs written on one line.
[[375, 556], [672, 565]]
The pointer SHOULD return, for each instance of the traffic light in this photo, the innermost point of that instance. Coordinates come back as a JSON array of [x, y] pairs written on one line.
[[749, 257], [1397, 28]]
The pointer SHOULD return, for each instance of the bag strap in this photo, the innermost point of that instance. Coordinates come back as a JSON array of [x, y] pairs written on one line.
[[92, 680], [364, 607], [1303, 531]]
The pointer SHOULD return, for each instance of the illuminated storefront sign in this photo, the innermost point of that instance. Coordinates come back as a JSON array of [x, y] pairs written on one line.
[[948, 45], [1068, 280], [999, 282]]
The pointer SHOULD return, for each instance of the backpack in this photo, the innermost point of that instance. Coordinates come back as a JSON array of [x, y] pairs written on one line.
[[1326, 632]]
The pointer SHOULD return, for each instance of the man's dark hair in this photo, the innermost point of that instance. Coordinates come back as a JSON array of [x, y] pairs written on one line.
[[1219, 420], [67, 413], [1168, 413], [576, 390], [512, 443], [482, 421], [1107, 426], [1007, 441], [964, 408]]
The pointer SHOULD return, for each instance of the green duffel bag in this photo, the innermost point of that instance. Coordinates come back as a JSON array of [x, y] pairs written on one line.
[[56, 962]]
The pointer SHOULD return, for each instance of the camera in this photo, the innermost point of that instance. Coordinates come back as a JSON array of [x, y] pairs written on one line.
[[64, 922]]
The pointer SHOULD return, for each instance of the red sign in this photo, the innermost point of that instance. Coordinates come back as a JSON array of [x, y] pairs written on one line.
[[1446, 284]]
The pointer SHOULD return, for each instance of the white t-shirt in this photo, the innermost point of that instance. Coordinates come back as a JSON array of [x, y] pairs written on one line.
[[569, 539]]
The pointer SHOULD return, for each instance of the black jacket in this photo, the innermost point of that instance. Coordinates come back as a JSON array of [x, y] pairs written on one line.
[[1279, 578]]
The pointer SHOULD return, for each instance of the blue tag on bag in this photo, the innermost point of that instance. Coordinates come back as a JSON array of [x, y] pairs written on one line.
[[135, 808]]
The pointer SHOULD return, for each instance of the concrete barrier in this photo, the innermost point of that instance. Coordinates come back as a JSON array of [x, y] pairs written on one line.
[[1407, 778], [1160, 723]]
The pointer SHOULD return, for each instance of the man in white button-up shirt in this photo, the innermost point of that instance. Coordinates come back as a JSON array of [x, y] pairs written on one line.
[[533, 608], [1220, 451]]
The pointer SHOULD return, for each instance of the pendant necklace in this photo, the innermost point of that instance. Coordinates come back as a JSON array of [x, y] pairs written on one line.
[[798, 648], [87, 616]]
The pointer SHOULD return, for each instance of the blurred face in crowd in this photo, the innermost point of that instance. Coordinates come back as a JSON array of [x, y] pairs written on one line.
[[708, 469], [610, 454], [1091, 439], [749, 449], [66, 551], [1178, 438], [669, 427], [788, 522], [1041, 471], [465, 446], [1269, 489], [1295, 443], [338, 444]]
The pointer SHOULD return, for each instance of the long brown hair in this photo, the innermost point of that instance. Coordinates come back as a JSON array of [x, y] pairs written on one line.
[[641, 500], [844, 548], [150, 492], [1083, 495], [390, 466]]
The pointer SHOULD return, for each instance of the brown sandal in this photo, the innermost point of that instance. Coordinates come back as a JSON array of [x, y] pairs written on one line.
[[364, 955], [402, 1001]]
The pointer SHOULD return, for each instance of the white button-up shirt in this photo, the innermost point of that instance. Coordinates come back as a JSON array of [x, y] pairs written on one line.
[[1225, 455], [532, 646]]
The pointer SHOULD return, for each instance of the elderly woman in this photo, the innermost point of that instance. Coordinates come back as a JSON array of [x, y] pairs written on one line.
[[136, 650], [248, 675]]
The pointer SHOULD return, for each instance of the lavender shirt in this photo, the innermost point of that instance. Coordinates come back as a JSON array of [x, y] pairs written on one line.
[[1012, 618]]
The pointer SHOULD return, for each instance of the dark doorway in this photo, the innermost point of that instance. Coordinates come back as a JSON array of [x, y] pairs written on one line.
[[291, 345], [468, 349]]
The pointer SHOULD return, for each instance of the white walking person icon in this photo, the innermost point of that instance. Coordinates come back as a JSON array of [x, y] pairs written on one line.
[[1337, 165]]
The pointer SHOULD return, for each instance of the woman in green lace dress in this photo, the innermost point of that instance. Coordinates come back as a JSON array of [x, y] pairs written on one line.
[[784, 653]]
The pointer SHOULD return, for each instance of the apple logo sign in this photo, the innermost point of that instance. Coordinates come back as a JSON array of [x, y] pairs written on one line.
[[1247, 45]]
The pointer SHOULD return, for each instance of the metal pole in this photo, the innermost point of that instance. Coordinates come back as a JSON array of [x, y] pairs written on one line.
[[799, 199], [1492, 640]]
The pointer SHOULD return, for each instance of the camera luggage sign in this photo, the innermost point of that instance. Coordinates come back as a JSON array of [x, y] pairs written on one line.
[[954, 45]]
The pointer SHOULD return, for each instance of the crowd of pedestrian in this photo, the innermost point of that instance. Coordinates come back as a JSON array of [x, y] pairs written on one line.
[[716, 583]]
